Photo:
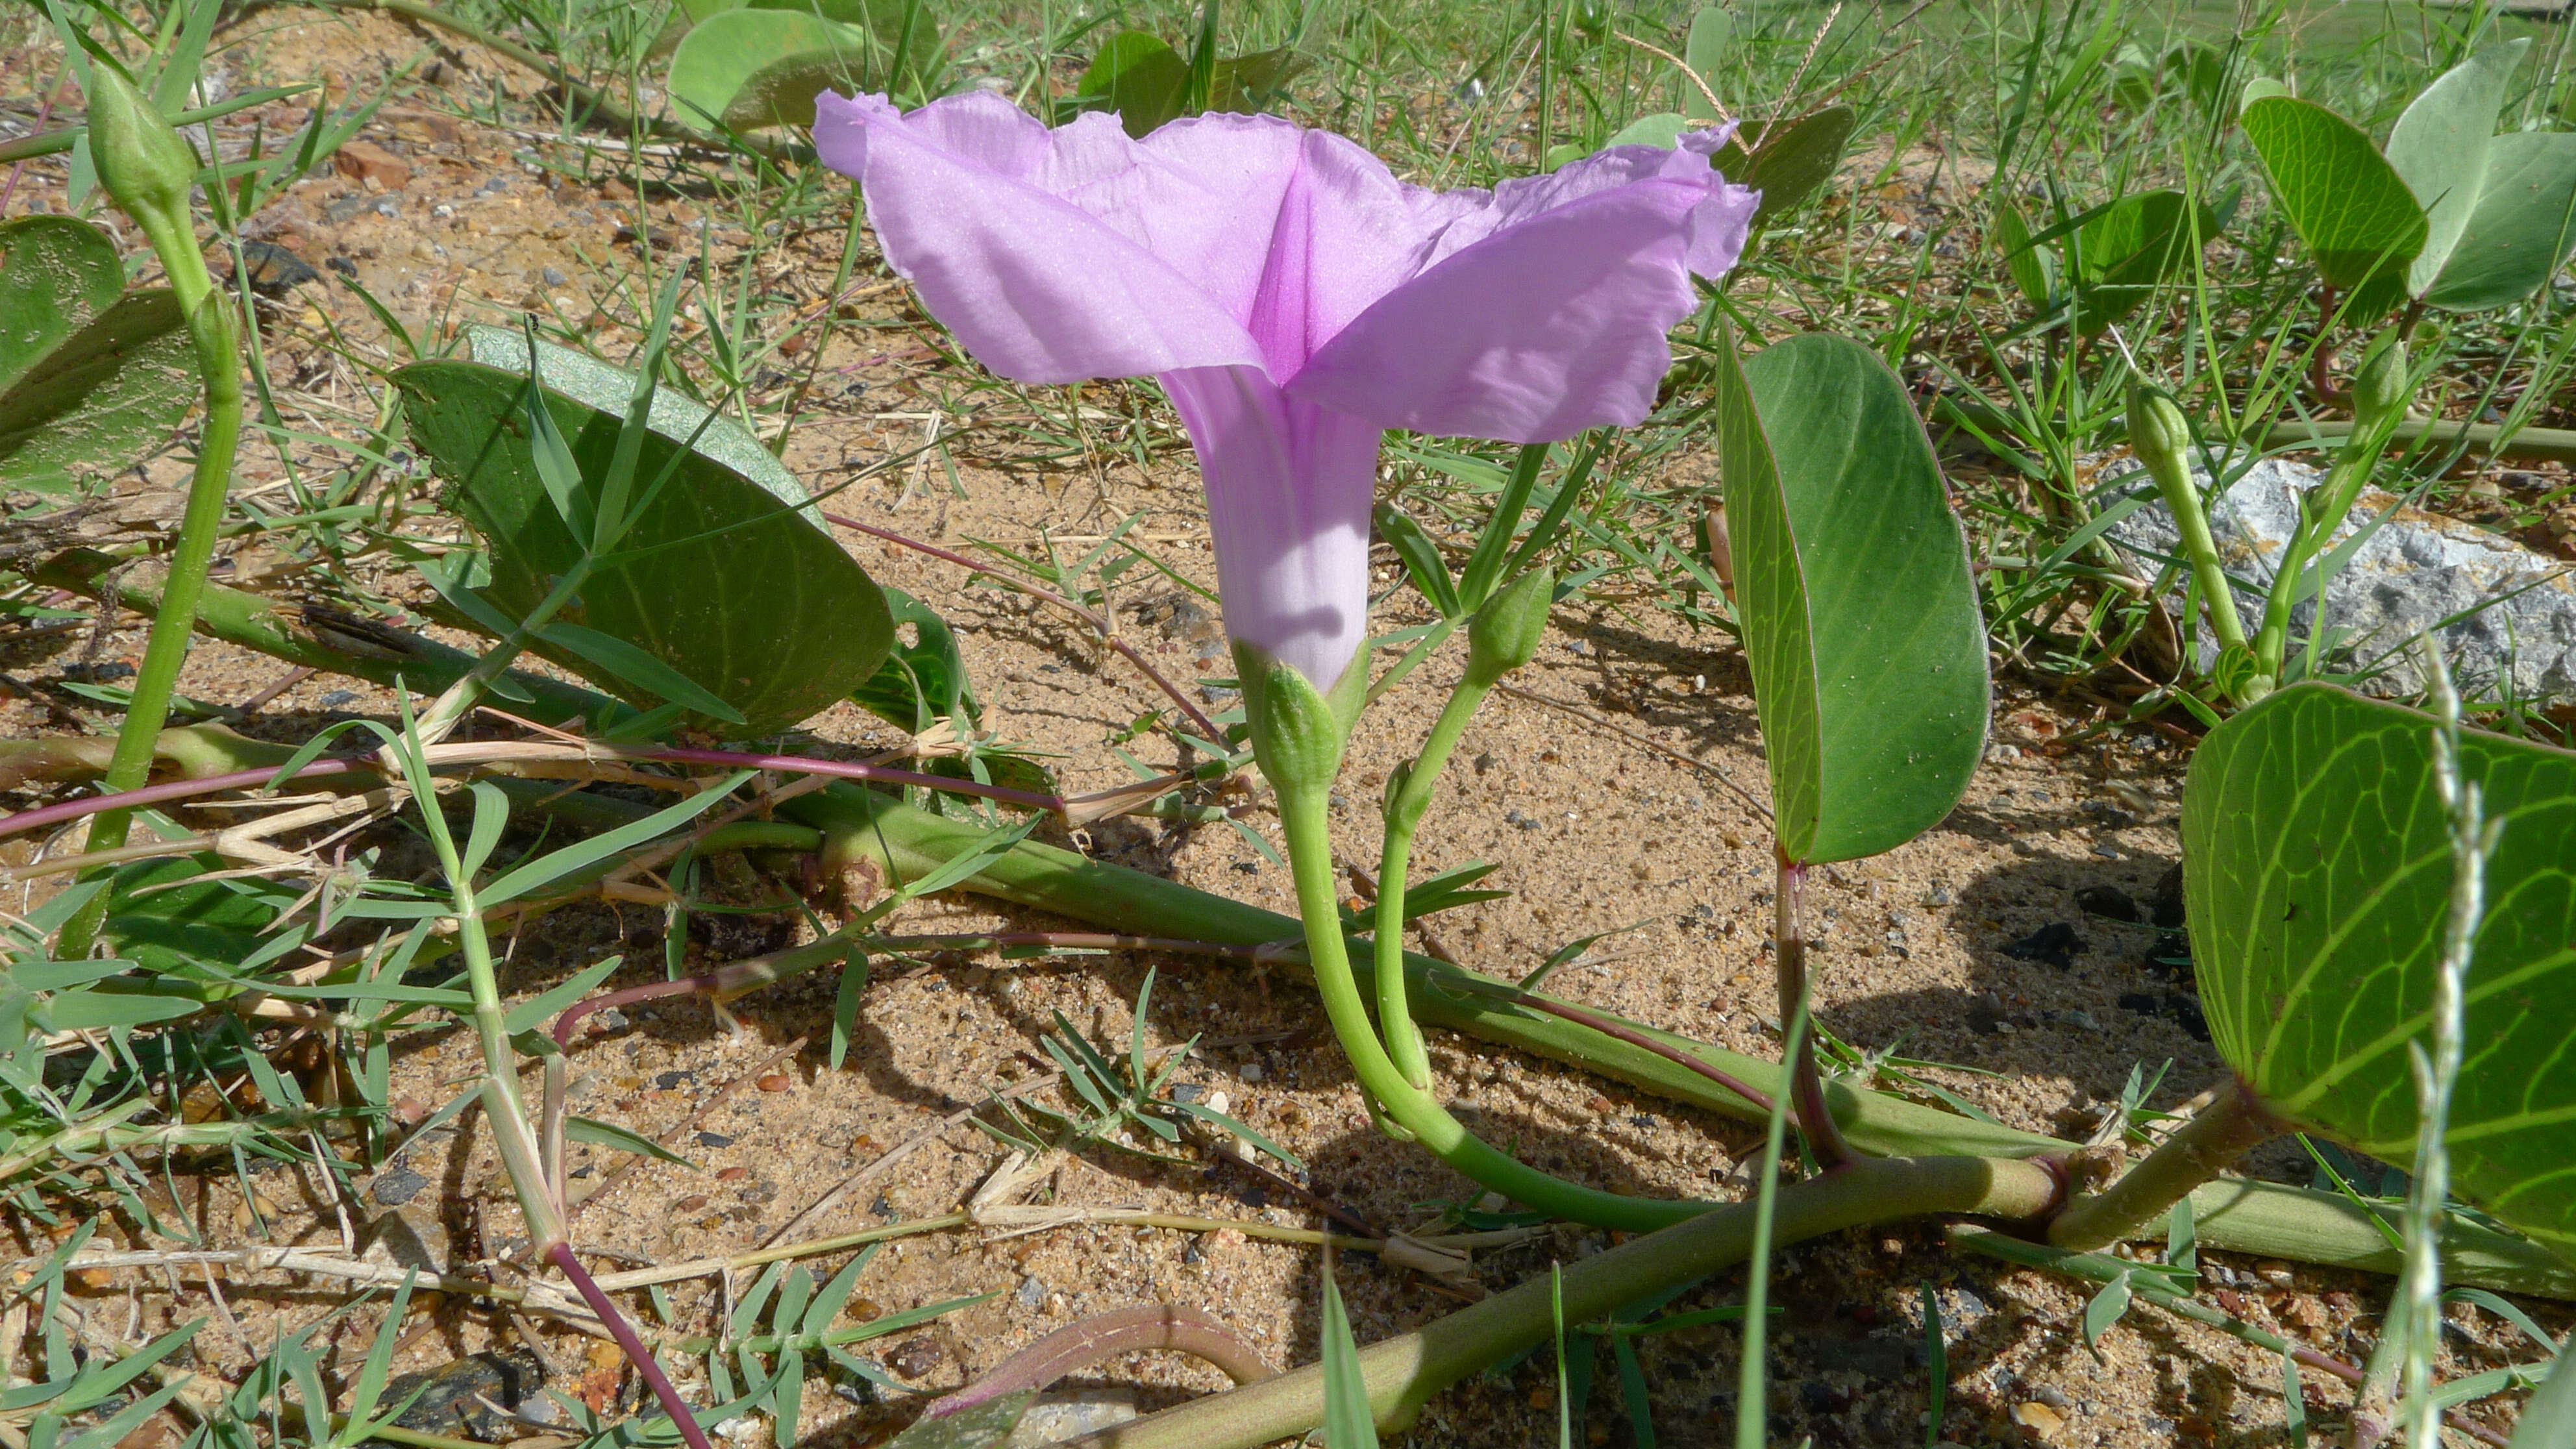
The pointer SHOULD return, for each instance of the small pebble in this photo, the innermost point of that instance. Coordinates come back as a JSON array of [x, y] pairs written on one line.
[[396, 1186], [2042, 1421], [1032, 1294], [714, 1139], [1251, 1072], [775, 1082]]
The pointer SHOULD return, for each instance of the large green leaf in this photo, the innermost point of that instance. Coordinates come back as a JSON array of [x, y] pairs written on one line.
[[2361, 223], [2523, 228], [2439, 148], [1860, 618], [724, 577], [1138, 75], [2317, 878], [763, 65], [2127, 249], [1787, 163], [1711, 29], [91, 378]]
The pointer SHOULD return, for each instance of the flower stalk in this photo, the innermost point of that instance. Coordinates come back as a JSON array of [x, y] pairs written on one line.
[[1504, 635], [149, 170]]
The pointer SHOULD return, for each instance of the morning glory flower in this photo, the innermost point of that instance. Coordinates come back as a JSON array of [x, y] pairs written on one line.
[[1295, 300]]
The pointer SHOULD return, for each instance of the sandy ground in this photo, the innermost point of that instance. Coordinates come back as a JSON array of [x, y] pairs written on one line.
[[1627, 802]]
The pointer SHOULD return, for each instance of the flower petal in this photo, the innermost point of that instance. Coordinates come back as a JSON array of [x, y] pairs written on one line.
[[1288, 486], [968, 199], [1550, 317]]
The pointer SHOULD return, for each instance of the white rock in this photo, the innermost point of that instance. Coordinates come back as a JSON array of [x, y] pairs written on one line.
[[2414, 571], [1055, 1418]]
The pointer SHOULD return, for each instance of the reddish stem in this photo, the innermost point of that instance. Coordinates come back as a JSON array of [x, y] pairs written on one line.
[[1105, 1336], [1099, 625], [561, 1255], [1806, 1084]]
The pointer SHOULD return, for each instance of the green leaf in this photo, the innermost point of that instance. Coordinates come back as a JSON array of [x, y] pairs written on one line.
[[2440, 149], [2361, 224], [726, 577], [2105, 1309], [1138, 75], [1348, 1421], [1711, 29], [2034, 270], [534, 875], [921, 681], [1663, 128], [1788, 163], [92, 377], [1860, 618], [1421, 557], [620, 663], [1247, 84], [763, 65], [2126, 250], [2523, 228], [2317, 877], [2549, 1418]]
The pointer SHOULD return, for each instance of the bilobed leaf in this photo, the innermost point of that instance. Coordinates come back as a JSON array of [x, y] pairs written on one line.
[[1249, 83], [2361, 224], [725, 577], [1138, 75], [1860, 618], [2523, 228], [763, 65], [2317, 877], [91, 377], [1788, 162], [2440, 149], [2126, 250]]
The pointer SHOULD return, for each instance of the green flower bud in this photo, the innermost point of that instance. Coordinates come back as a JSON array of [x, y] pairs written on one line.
[[1505, 634], [1296, 734], [2158, 433], [2379, 390], [141, 161]]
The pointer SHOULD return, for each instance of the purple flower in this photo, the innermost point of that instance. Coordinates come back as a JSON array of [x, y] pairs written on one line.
[[1295, 300]]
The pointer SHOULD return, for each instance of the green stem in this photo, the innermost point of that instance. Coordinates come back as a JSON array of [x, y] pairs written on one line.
[[2197, 1152], [2191, 521], [1412, 795], [211, 327], [2321, 513], [1304, 817], [1402, 1373], [1752, 1407]]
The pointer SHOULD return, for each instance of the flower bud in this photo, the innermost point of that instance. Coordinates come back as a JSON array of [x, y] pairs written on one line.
[[2379, 389], [2158, 434], [1296, 735], [141, 160], [1505, 634]]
